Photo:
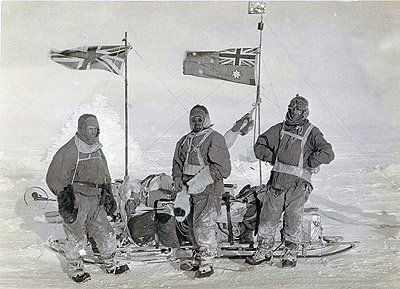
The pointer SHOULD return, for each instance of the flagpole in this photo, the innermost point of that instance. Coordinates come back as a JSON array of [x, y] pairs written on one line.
[[260, 27], [126, 103]]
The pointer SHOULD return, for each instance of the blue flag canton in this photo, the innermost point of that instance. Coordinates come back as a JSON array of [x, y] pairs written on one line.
[[238, 56]]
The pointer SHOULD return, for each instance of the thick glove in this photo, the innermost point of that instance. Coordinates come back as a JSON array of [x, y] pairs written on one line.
[[239, 123], [182, 205], [66, 204], [107, 199], [315, 170], [110, 205], [178, 184], [248, 127], [200, 181]]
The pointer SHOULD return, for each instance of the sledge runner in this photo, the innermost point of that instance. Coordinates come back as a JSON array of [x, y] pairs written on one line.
[[78, 175], [296, 149], [201, 162]]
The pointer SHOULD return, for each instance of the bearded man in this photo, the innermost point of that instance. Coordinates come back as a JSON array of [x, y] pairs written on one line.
[[296, 149], [201, 162]]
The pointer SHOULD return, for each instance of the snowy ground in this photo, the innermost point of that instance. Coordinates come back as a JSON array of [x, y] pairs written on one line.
[[341, 55], [360, 203]]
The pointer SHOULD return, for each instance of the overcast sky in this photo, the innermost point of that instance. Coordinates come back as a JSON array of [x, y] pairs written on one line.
[[343, 56]]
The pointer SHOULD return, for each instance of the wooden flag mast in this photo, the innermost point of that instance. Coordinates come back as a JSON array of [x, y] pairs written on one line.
[[260, 27], [258, 8], [126, 103]]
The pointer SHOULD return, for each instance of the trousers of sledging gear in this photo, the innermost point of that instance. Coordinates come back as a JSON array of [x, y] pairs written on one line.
[[202, 221], [92, 221], [290, 202]]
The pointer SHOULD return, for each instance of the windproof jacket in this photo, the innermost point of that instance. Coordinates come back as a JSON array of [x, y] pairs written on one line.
[[214, 153], [70, 165], [293, 153]]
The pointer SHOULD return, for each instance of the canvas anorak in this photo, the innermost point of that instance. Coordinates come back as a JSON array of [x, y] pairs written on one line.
[[271, 143]]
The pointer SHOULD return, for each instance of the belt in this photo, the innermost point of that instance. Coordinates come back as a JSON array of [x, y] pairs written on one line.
[[88, 184]]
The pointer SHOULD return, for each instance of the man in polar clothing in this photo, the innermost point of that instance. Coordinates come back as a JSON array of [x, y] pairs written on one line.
[[201, 162], [78, 175], [296, 149]]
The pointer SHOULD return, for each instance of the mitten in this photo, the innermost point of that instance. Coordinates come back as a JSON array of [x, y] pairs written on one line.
[[110, 205], [107, 199], [178, 184], [66, 204], [239, 123], [248, 127], [182, 205]]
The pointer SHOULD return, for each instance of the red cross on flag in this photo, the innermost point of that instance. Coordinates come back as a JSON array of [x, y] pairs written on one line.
[[110, 58]]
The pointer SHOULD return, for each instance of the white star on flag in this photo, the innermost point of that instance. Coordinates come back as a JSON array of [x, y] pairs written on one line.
[[236, 74], [233, 64]]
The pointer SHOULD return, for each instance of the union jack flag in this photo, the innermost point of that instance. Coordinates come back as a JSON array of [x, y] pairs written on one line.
[[238, 56], [110, 58]]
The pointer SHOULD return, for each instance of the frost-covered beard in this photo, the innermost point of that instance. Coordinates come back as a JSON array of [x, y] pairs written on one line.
[[200, 112], [84, 122], [197, 123]]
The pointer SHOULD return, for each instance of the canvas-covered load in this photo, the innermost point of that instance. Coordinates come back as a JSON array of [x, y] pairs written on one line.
[[152, 218], [142, 228], [145, 228]]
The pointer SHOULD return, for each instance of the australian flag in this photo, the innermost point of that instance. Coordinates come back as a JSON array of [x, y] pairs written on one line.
[[232, 64]]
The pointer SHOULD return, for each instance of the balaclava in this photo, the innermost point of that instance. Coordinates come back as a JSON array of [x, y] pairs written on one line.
[[85, 121], [199, 110], [300, 103]]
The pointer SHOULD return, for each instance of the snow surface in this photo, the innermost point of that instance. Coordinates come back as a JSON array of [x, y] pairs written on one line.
[[358, 204], [342, 56]]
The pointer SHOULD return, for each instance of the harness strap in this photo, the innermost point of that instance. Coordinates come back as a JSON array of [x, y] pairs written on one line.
[[283, 132], [298, 170], [78, 159], [292, 170], [303, 143], [196, 149]]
